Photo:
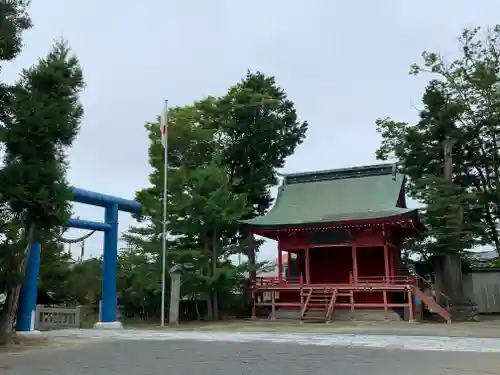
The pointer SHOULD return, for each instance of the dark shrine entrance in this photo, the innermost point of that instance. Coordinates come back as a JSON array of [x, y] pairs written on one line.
[[330, 264], [370, 262], [337, 264]]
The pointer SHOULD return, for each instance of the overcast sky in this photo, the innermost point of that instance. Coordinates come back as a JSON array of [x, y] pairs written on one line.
[[343, 63]]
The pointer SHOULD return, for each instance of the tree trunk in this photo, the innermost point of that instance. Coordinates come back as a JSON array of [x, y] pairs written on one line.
[[197, 309], [490, 221], [8, 314], [448, 269], [215, 253], [252, 258], [207, 271], [448, 278], [252, 270], [210, 309]]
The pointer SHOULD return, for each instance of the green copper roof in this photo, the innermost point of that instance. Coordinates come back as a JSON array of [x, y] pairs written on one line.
[[339, 195]]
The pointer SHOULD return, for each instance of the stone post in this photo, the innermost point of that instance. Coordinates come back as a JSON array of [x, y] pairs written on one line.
[[175, 293]]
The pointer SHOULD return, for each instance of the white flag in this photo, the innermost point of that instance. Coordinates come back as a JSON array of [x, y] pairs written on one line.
[[163, 125]]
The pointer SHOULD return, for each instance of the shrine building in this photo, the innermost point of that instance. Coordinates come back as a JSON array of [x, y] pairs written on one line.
[[342, 231]]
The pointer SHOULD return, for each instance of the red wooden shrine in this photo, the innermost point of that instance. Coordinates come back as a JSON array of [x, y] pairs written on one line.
[[342, 231]]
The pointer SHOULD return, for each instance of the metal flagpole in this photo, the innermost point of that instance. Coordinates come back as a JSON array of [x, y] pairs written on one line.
[[164, 228]]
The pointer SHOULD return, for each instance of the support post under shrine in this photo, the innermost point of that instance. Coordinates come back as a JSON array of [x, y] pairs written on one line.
[[386, 262], [354, 262], [308, 265]]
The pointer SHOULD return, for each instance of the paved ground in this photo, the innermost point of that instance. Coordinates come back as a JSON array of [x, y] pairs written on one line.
[[185, 357], [418, 343], [489, 327]]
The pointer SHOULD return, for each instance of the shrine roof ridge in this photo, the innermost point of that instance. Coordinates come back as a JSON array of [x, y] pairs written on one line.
[[373, 192], [340, 174]]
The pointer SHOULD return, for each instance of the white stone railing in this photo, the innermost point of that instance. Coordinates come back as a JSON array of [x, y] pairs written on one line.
[[47, 318]]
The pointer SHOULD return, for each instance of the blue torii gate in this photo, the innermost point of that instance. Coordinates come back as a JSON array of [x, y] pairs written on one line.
[[111, 204]]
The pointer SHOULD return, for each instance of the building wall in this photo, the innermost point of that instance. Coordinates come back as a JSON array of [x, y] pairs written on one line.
[[368, 236], [483, 287], [334, 264]]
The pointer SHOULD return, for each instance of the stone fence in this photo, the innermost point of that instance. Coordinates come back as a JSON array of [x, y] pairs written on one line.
[[48, 318]]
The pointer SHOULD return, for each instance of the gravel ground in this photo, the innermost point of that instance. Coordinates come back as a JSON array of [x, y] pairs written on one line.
[[129, 357]]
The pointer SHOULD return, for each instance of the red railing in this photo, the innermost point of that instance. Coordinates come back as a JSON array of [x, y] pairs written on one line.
[[270, 281], [274, 280], [409, 284], [425, 284], [385, 280]]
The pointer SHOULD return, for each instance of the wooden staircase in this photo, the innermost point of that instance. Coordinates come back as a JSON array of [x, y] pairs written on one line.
[[432, 304], [319, 304]]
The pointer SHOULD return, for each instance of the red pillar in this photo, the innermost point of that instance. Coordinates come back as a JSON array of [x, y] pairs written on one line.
[[354, 262], [394, 262], [308, 268], [386, 262], [280, 265], [390, 260]]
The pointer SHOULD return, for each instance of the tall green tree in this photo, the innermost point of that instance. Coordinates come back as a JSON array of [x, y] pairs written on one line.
[[14, 20], [443, 198], [469, 88], [223, 156], [203, 207], [201, 202], [461, 109], [55, 271], [138, 282], [189, 146], [42, 117], [84, 281], [261, 129]]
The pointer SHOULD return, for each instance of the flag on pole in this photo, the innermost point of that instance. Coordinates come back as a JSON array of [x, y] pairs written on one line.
[[163, 125]]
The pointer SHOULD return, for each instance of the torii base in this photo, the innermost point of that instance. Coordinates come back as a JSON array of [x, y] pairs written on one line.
[[29, 334], [108, 325]]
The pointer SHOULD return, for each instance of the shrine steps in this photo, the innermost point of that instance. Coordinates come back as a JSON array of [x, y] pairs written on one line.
[[432, 304], [344, 315], [324, 303], [319, 304], [317, 307]]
